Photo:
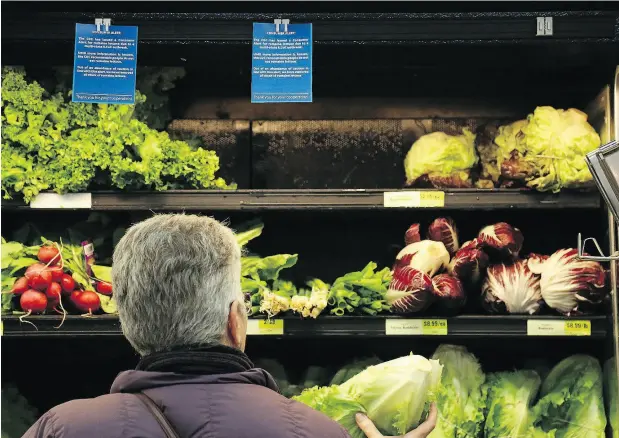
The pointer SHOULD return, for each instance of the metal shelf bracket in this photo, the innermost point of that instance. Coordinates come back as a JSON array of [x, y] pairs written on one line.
[[601, 258]]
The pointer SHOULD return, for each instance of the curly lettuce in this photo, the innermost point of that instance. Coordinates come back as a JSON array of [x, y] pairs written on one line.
[[50, 143], [444, 159], [547, 150]]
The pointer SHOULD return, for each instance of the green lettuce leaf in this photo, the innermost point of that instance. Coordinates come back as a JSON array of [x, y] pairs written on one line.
[[337, 404], [510, 396], [267, 268], [549, 148], [461, 400], [571, 400], [396, 393], [440, 154], [610, 395]]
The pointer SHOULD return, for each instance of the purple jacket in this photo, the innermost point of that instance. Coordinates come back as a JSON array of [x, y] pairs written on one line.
[[239, 405]]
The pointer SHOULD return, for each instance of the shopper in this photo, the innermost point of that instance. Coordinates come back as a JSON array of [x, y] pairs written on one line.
[[176, 282]]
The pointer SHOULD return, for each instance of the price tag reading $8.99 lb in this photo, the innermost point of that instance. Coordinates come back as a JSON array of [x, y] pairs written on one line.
[[544, 327], [578, 328], [265, 327]]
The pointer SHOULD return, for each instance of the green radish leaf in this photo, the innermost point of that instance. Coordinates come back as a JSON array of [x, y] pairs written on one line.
[[7, 302], [103, 273], [7, 281], [21, 263], [9, 249], [108, 304], [82, 280]]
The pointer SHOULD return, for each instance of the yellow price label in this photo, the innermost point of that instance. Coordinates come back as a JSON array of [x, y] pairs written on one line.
[[265, 327], [414, 199], [432, 199], [543, 327], [1, 328], [578, 328], [434, 327], [416, 327]]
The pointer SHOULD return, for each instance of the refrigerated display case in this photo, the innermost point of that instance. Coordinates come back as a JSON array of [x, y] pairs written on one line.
[[327, 179]]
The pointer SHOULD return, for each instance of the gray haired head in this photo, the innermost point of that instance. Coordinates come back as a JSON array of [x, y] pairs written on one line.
[[174, 278]]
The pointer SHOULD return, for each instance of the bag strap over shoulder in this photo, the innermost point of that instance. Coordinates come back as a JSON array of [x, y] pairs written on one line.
[[159, 415]]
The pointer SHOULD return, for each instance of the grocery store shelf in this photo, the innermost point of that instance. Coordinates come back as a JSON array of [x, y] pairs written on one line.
[[257, 200], [512, 326], [191, 27]]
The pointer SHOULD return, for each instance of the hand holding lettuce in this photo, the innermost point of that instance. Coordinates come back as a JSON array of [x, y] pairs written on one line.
[[394, 395]]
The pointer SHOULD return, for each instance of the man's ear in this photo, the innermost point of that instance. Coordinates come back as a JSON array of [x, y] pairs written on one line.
[[237, 325]]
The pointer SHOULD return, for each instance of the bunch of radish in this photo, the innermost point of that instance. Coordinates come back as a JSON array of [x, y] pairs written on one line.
[[45, 284]]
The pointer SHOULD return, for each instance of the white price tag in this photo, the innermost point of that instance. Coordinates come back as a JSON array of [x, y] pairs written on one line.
[[54, 201]]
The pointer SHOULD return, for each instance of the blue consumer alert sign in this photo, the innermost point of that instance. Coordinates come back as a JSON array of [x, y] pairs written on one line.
[[105, 63], [281, 63]]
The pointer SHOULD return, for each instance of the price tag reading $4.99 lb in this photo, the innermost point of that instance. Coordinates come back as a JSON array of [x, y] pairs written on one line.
[[265, 327]]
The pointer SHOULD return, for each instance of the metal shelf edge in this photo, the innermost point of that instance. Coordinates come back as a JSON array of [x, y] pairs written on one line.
[[490, 326], [256, 200]]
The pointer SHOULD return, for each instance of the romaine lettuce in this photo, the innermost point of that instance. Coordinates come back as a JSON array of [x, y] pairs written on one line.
[[462, 398]]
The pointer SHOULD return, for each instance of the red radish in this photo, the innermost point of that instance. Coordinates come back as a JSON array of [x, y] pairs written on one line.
[[67, 282], [104, 288], [35, 268], [86, 301], [39, 277], [57, 273], [20, 286], [33, 301], [49, 255], [53, 291], [52, 303]]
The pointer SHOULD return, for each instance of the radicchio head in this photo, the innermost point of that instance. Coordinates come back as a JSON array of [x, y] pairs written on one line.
[[412, 234], [443, 229], [512, 288], [570, 285], [427, 256], [410, 290], [449, 292], [469, 262], [501, 239]]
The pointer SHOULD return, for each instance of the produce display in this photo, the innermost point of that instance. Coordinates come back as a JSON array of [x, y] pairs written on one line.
[[434, 275], [438, 272], [50, 143], [545, 152], [57, 276], [567, 401]]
